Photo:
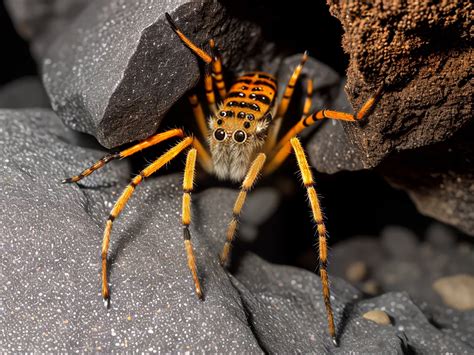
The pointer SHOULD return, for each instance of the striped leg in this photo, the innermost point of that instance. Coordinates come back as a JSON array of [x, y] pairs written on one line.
[[217, 70], [153, 140], [309, 98], [322, 114], [126, 194], [196, 50], [283, 106], [247, 184], [188, 182], [198, 114], [209, 88], [318, 218]]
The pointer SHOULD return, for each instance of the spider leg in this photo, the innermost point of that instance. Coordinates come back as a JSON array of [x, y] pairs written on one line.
[[188, 182], [126, 194], [196, 50], [213, 64], [322, 114], [283, 106], [199, 114], [153, 140], [318, 219], [217, 70], [309, 98], [247, 184]]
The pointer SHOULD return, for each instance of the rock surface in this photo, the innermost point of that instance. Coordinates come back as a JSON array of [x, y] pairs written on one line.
[[51, 296], [398, 261], [425, 115], [42, 21], [119, 67], [426, 99], [23, 93]]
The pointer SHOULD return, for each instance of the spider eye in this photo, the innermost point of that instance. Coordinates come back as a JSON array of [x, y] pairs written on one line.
[[239, 136], [219, 134]]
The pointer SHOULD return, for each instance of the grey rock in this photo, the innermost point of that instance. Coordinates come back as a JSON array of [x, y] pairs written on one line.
[[51, 235], [410, 323], [119, 68], [23, 93], [399, 242], [41, 21], [329, 149], [399, 262]]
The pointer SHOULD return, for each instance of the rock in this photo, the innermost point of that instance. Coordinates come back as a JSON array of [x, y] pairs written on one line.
[[371, 287], [329, 149], [416, 332], [439, 179], [41, 21], [425, 102], [23, 93], [423, 111], [456, 291], [377, 316], [51, 236], [119, 68], [399, 242], [356, 272], [440, 237], [402, 261]]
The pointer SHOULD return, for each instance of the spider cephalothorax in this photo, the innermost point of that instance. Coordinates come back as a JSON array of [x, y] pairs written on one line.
[[242, 143], [239, 128]]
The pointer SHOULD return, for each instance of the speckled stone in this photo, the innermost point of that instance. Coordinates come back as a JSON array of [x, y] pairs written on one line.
[[117, 70], [24, 92], [51, 236]]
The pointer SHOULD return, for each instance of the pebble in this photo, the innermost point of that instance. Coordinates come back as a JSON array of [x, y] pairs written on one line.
[[371, 287], [377, 316], [356, 272], [456, 291]]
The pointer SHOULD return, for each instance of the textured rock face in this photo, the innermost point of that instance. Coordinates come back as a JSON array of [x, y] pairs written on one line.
[[51, 295], [427, 75], [42, 21], [119, 68], [418, 134]]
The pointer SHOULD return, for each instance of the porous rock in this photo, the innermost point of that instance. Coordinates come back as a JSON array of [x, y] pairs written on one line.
[[41, 21], [426, 99], [427, 104], [117, 70], [51, 234]]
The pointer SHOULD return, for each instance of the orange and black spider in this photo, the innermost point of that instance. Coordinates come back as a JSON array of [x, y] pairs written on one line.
[[241, 144]]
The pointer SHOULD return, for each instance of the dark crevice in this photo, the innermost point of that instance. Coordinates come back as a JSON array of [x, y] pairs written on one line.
[[249, 317]]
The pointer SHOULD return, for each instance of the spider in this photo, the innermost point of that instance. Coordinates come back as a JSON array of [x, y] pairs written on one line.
[[241, 144]]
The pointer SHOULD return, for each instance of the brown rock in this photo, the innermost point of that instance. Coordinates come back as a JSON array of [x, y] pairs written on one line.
[[456, 291], [356, 272], [371, 287], [377, 316], [422, 51]]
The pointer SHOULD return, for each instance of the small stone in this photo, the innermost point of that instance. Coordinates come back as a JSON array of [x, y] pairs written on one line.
[[440, 236], [400, 242], [356, 272], [456, 291], [371, 287], [377, 316]]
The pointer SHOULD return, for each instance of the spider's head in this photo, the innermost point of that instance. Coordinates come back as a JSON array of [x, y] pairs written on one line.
[[235, 141]]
